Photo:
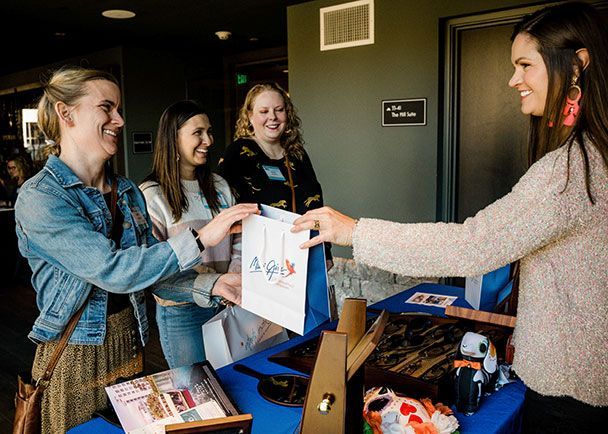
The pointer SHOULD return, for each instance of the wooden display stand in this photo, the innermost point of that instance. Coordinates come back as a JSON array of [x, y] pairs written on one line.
[[334, 400]]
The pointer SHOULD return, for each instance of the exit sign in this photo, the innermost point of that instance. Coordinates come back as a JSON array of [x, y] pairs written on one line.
[[241, 79]]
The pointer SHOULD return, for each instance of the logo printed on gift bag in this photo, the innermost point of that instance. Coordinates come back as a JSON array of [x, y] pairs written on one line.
[[272, 258], [273, 269], [256, 336]]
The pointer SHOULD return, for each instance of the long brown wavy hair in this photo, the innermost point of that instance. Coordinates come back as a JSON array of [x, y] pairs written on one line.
[[165, 168], [559, 32], [291, 140]]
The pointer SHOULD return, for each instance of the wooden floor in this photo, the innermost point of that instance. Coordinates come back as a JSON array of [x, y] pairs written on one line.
[[17, 313]]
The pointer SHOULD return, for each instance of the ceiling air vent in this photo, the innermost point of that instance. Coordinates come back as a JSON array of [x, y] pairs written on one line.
[[347, 25]]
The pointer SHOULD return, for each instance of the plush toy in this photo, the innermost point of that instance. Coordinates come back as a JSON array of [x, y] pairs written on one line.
[[389, 413], [476, 371]]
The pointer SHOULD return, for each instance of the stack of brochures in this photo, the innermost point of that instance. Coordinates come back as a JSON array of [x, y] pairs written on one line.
[[185, 394]]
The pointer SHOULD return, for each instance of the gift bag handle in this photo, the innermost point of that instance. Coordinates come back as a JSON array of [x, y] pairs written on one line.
[[262, 257]]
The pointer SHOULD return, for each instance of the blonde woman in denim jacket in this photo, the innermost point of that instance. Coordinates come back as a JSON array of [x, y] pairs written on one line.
[[65, 230]]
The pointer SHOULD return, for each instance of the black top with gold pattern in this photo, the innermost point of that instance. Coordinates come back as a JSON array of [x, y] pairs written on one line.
[[256, 178]]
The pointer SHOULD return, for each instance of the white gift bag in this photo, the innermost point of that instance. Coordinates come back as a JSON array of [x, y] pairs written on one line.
[[281, 282], [236, 333]]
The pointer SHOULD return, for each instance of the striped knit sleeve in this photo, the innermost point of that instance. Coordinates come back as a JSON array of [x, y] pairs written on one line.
[[154, 205]]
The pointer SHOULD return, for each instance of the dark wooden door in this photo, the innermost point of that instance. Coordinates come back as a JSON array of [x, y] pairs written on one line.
[[491, 128], [484, 150]]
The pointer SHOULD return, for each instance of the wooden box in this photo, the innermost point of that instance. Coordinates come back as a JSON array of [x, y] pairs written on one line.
[[415, 355]]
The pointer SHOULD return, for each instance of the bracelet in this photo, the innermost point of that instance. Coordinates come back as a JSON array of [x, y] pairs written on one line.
[[197, 238]]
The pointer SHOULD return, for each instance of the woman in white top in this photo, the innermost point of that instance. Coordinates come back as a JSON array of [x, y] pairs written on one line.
[[182, 194]]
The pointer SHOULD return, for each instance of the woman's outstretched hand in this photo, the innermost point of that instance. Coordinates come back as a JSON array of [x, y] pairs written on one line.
[[229, 287], [333, 226], [226, 222]]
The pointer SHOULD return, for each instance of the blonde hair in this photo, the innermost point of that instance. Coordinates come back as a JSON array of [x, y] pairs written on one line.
[[68, 86], [291, 140]]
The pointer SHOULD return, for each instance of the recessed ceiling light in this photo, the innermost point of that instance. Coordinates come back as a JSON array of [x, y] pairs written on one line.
[[118, 14], [60, 34], [223, 34], [253, 39]]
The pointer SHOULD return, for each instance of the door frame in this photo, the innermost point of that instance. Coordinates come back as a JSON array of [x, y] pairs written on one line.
[[448, 155]]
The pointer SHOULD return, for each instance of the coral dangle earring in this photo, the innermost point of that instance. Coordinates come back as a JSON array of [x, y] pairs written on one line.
[[572, 106]]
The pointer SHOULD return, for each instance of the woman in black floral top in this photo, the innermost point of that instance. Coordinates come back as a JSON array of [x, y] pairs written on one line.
[[267, 163]]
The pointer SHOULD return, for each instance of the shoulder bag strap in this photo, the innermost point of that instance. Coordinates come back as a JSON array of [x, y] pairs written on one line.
[[69, 329], [291, 186]]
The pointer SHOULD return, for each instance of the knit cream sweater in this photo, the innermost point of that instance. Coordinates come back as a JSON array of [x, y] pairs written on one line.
[[225, 257], [547, 221]]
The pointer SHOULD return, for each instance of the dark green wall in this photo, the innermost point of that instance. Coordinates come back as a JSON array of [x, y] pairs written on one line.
[[152, 80], [366, 169]]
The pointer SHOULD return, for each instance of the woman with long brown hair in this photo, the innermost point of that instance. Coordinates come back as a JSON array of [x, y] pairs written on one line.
[[182, 193], [554, 221]]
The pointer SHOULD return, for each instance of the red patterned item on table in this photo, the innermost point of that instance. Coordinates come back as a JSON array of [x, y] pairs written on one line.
[[387, 412]]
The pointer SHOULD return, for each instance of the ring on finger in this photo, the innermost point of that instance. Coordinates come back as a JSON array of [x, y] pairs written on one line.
[[317, 225]]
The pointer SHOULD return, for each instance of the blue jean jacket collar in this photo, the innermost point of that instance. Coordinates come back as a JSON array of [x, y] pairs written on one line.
[[67, 178]]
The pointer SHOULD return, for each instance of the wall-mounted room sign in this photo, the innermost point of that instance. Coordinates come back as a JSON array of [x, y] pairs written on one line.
[[404, 112], [142, 143]]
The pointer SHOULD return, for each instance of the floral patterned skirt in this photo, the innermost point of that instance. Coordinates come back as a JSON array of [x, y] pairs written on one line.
[[77, 386]]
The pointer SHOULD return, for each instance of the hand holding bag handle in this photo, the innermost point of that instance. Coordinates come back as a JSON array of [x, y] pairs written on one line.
[[28, 398]]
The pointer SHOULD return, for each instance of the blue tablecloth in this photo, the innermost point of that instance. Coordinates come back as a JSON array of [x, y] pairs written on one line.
[[500, 413]]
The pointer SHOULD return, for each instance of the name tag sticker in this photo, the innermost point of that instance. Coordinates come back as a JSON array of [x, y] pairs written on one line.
[[139, 218], [273, 173]]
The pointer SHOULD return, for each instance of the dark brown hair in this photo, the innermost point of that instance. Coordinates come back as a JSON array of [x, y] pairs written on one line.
[[165, 168], [559, 32], [23, 164]]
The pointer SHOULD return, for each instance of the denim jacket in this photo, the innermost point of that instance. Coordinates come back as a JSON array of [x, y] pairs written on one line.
[[63, 228]]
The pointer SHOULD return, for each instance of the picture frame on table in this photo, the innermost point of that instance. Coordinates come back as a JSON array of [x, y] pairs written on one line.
[[240, 424], [189, 399]]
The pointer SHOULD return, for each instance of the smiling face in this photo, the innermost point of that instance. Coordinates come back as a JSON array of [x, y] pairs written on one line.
[[193, 141], [95, 123], [268, 117], [530, 78]]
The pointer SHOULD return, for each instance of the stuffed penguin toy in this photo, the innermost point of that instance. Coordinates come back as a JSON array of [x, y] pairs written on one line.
[[476, 371]]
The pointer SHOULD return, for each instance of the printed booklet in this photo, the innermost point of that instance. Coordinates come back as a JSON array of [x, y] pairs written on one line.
[[186, 394], [435, 300]]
